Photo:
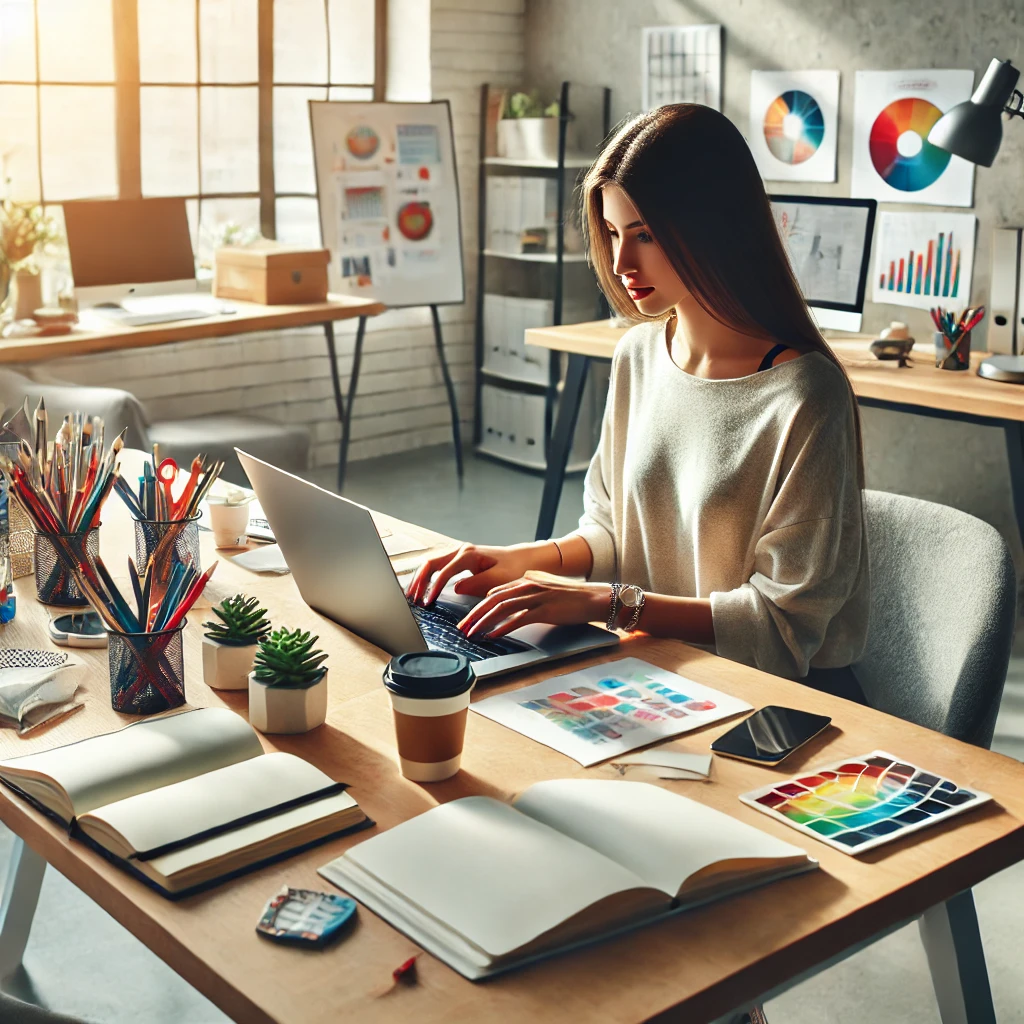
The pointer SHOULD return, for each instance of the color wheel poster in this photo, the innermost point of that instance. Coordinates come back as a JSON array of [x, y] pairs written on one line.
[[793, 124], [892, 158], [605, 710], [924, 259]]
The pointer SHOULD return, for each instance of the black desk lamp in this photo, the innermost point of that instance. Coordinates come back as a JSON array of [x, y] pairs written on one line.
[[973, 130]]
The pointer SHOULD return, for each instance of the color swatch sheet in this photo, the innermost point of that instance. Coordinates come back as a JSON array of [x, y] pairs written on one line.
[[863, 802], [609, 709]]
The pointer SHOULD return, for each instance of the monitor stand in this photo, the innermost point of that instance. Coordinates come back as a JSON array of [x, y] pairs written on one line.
[[836, 319]]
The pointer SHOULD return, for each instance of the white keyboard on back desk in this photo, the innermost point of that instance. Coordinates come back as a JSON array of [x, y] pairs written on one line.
[[161, 309]]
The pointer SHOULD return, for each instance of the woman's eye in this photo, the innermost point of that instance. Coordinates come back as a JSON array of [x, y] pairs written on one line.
[[643, 236]]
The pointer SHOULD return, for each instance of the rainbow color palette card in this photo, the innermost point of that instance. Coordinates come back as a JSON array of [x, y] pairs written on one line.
[[864, 802], [606, 710]]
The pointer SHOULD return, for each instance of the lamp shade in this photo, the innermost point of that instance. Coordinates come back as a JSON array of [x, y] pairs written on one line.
[[974, 129]]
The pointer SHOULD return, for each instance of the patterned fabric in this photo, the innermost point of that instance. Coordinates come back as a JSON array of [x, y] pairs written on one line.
[[15, 657]]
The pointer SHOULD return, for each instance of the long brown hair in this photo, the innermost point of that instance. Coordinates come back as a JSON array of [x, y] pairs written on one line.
[[689, 172]]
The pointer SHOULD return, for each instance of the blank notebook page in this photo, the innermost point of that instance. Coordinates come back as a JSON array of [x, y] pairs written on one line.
[[493, 875]]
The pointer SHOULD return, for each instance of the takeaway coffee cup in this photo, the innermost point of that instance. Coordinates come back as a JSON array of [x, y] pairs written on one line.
[[429, 693]]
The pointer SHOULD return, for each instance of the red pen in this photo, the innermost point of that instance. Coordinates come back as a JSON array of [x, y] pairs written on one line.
[[189, 599]]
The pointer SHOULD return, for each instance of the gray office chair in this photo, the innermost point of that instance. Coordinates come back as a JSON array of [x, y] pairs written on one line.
[[14, 1011], [943, 610]]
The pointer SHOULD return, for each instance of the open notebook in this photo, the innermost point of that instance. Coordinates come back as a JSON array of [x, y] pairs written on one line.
[[486, 886], [186, 800]]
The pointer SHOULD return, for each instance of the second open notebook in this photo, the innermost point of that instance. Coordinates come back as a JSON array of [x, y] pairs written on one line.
[[186, 800], [486, 886]]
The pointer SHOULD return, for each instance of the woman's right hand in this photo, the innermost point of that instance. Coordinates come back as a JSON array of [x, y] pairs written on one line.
[[491, 566]]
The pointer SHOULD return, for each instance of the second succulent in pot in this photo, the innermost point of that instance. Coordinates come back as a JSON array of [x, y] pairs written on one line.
[[288, 683], [229, 645]]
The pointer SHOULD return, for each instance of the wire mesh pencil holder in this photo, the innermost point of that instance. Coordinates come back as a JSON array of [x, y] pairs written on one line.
[[55, 583], [147, 671], [183, 548], [19, 524]]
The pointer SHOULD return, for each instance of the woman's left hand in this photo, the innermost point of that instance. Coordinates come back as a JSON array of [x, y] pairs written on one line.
[[537, 597]]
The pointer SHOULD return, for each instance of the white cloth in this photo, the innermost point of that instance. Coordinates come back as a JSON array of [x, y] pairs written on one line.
[[743, 491]]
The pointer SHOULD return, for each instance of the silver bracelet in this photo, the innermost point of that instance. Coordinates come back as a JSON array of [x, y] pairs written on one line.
[[613, 607]]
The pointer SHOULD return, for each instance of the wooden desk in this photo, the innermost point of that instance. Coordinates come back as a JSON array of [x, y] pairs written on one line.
[[98, 335], [692, 968], [919, 388]]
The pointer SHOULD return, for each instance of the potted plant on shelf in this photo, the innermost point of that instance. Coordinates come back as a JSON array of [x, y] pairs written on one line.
[[229, 646], [288, 683], [528, 130]]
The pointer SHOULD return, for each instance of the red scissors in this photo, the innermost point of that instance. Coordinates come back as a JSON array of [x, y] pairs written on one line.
[[166, 474]]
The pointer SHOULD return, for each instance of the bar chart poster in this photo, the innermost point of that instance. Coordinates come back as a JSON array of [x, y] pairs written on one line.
[[924, 259]]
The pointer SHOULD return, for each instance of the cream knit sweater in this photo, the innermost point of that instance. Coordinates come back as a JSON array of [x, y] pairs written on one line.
[[743, 491]]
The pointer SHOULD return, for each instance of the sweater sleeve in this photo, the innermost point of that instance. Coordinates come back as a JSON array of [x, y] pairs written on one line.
[[807, 562]]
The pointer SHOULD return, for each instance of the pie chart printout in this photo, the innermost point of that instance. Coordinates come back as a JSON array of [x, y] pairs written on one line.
[[793, 127], [899, 146]]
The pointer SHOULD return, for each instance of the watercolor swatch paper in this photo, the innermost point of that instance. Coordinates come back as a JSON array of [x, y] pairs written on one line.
[[605, 710], [864, 802]]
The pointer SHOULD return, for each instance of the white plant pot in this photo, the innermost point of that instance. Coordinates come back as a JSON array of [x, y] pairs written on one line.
[[531, 138], [287, 709], [226, 667]]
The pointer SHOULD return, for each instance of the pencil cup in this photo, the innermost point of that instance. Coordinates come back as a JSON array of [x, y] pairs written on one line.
[[147, 671], [183, 547], [948, 359], [55, 583]]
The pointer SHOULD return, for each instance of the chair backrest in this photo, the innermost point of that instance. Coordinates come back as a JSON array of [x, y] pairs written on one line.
[[943, 609]]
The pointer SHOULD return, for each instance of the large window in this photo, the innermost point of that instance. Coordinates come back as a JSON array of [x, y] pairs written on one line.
[[198, 98]]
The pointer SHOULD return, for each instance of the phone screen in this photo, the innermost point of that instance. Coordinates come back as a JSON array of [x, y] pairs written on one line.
[[770, 734]]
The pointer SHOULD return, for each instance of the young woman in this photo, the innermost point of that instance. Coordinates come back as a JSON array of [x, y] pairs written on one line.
[[723, 505]]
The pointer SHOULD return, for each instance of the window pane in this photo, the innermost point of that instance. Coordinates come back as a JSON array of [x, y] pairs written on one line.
[[229, 121], [228, 41], [223, 220], [17, 41], [76, 41], [78, 142], [293, 145], [350, 92], [351, 41], [170, 149], [18, 149], [298, 222], [167, 40], [300, 41]]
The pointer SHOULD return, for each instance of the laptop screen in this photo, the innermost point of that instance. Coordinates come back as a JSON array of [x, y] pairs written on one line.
[[128, 241]]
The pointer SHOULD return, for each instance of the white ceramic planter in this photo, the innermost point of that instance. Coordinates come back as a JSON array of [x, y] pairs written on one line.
[[287, 709], [226, 667], [531, 138]]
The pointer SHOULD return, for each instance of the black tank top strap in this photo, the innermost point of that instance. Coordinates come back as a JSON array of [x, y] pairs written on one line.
[[770, 356]]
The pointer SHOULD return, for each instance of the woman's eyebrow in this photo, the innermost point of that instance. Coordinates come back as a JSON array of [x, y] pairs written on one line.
[[629, 227]]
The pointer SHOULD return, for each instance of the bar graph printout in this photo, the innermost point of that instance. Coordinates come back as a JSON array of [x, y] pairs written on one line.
[[924, 259]]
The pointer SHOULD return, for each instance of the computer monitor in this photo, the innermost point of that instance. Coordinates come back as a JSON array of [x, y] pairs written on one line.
[[829, 245], [129, 247]]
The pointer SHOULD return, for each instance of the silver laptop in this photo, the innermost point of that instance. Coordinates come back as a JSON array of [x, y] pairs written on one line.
[[341, 569]]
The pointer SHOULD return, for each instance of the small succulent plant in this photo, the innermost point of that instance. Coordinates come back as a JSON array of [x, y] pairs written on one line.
[[287, 658], [241, 624]]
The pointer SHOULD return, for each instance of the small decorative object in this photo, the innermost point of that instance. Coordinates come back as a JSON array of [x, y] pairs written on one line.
[[229, 646], [21, 536], [528, 130], [34, 688], [305, 917], [894, 342], [288, 684], [953, 336], [53, 320]]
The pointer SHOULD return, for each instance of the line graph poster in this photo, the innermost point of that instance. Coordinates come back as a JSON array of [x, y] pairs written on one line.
[[924, 259], [793, 124], [893, 161]]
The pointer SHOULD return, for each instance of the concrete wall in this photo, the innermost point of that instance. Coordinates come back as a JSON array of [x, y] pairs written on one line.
[[446, 48], [598, 42]]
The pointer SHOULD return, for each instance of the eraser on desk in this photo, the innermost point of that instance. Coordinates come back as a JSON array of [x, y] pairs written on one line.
[[305, 917]]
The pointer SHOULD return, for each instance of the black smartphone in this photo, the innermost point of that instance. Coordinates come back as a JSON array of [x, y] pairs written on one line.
[[770, 735]]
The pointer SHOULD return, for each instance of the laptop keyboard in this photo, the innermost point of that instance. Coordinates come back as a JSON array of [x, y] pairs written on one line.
[[441, 631]]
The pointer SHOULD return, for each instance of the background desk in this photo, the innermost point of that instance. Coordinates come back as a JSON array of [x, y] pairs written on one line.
[[98, 335], [920, 388], [693, 968]]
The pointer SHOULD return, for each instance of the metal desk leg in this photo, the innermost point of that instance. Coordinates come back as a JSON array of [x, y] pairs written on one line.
[[450, 389], [345, 412], [956, 959], [561, 443], [21, 894], [1014, 432]]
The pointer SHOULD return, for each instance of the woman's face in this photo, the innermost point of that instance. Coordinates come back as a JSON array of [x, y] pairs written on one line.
[[638, 261]]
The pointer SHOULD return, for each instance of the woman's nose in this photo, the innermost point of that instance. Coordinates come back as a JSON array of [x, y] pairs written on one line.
[[622, 264]]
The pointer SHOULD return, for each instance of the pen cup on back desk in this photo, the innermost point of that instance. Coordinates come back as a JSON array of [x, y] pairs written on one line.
[[429, 693]]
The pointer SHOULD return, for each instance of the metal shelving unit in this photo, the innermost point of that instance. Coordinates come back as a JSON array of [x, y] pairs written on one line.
[[532, 272]]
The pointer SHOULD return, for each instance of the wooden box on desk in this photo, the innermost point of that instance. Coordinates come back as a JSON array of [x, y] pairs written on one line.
[[272, 274]]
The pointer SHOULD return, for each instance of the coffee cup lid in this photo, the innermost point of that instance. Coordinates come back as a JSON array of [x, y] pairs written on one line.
[[429, 674]]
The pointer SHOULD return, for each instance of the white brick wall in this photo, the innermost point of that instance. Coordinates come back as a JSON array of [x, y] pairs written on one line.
[[401, 402]]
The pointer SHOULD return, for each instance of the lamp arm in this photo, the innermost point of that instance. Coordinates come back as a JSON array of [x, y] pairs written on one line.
[[1016, 103]]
